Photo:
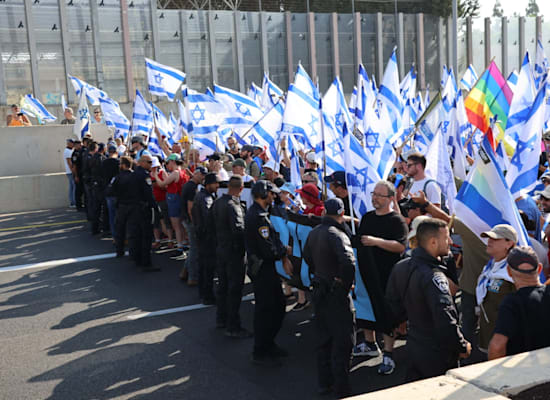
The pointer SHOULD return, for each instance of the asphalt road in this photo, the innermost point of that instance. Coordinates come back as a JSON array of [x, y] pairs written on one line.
[[78, 329]]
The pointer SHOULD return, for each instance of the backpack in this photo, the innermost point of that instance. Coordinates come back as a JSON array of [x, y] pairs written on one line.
[[443, 201]]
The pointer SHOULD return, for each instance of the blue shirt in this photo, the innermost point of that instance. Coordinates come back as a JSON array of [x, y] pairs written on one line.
[[529, 207]]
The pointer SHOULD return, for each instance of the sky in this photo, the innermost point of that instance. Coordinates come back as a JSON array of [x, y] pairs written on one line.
[[511, 6]]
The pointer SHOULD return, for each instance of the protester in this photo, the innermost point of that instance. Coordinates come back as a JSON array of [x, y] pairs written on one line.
[[523, 319], [69, 117], [98, 117], [215, 166], [238, 167], [418, 291], [70, 171], [252, 167], [121, 147], [17, 118], [334, 270], [162, 219], [380, 241], [416, 164], [494, 282]]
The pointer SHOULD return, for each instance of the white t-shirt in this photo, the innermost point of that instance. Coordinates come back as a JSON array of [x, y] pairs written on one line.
[[433, 191], [223, 175], [67, 153], [121, 150]]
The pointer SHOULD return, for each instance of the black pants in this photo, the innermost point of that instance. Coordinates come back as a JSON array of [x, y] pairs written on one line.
[[334, 322], [123, 214], [88, 199], [426, 362], [231, 272], [140, 224], [468, 315], [207, 267], [99, 210], [269, 310], [79, 193]]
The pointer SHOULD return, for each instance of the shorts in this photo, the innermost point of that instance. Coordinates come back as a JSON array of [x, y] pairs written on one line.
[[164, 212], [173, 201]]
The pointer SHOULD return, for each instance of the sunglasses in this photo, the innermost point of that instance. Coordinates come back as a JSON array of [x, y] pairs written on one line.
[[411, 164]]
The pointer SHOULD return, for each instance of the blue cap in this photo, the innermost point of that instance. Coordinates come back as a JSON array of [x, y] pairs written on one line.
[[201, 169], [334, 206], [338, 177], [288, 187]]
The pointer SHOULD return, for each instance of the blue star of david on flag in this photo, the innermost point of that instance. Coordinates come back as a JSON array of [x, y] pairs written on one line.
[[339, 120], [83, 113], [242, 109], [520, 148], [196, 119], [371, 141], [336, 148], [363, 177], [253, 140], [312, 125], [158, 79]]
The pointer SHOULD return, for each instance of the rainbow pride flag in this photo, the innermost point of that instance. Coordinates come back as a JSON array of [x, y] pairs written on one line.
[[490, 97]]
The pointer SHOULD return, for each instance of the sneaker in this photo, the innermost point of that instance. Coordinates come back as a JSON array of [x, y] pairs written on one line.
[[365, 349], [300, 306], [387, 366]]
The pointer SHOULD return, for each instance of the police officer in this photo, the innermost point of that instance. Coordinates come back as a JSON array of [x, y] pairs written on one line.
[[330, 258], [140, 222], [228, 214], [122, 188], [418, 290], [264, 247], [96, 190], [87, 155], [206, 236], [76, 159]]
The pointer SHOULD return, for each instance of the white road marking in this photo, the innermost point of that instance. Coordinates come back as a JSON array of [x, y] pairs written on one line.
[[57, 263], [178, 309]]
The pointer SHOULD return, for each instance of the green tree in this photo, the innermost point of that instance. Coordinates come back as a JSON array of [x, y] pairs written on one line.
[[532, 9], [497, 10]]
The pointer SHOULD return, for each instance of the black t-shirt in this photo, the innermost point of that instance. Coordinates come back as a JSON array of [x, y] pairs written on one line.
[[188, 193], [109, 169], [524, 318]]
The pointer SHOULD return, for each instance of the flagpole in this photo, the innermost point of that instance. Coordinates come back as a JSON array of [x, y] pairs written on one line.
[[261, 119]]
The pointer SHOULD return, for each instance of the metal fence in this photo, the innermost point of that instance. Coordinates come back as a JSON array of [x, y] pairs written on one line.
[[104, 41]]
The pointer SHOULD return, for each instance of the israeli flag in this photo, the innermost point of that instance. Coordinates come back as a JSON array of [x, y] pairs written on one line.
[[377, 143], [82, 117], [540, 70], [524, 95], [255, 93], [172, 128], [366, 97], [63, 103], [427, 99], [114, 117], [524, 165], [154, 147], [302, 111], [361, 176], [163, 81], [484, 199], [205, 115], [93, 93], [266, 132], [438, 167], [407, 87], [388, 94], [183, 123], [241, 111], [512, 80], [34, 108], [353, 102], [142, 117], [469, 78], [271, 93], [161, 122]]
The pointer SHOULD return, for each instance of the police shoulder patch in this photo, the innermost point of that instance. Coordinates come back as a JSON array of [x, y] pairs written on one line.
[[440, 281], [264, 231], [148, 181]]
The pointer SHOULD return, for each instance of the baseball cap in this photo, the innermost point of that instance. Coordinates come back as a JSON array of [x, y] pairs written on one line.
[[214, 156], [502, 231], [137, 139], [263, 186], [269, 164], [69, 140], [546, 135], [100, 147], [111, 149], [414, 225], [546, 175], [155, 163], [338, 177], [174, 157], [334, 206], [311, 157], [288, 187], [201, 169], [522, 255], [239, 162], [210, 178], [544, 193], [247, 147]]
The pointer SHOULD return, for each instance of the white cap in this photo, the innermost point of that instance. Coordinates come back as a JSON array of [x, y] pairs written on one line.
[[155, 163], [414, 225], [311, 157], [270, 164]]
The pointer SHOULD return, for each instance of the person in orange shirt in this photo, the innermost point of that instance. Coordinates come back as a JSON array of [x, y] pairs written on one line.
[[17, 118]]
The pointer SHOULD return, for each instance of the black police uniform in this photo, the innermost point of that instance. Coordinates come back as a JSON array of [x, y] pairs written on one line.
[[125, 192], [418, 290], [76, 159], [264, 247], [228, 214], [141, 221], [87, 181], [206, 237], [334, 269], [96, 191]]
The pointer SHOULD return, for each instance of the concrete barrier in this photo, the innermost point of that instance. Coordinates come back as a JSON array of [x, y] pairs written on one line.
[[33, 192], [505, 378], [38, 149]]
